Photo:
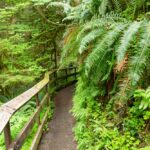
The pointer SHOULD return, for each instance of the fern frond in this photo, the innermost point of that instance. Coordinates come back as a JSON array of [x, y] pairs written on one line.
[[136, 65], [101, 69], [71, 18], [140, 59], [65, 6], [99, 52], [103, 7], [93, 24], [70, 49], [74, 14], [93, 35], [114, 17], [123, 94], [117, 5], [106, 21], [126, 40]]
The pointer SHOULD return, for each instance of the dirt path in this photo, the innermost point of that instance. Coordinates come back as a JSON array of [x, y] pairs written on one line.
[[60, 136]]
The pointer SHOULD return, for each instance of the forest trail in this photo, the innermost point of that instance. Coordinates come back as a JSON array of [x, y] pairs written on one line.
[[60, 136]]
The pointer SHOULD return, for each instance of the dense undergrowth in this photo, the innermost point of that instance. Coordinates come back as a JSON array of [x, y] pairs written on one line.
[[28, 41], [27, 49], [99, 126], [110, 42]]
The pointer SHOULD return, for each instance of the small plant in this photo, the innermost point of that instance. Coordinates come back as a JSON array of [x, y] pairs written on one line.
[[144, 96]]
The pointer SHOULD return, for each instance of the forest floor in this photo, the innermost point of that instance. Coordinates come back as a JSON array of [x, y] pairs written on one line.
[[60, 135]]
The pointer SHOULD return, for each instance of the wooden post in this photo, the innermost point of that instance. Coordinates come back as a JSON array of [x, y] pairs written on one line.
[[47, 91], [7, 136], [55, 59], [37, 105], [66, 74], [75, 73], [55, 77]]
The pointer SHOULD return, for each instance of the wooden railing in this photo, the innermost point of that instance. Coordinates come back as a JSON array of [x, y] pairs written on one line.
[[8, 109]]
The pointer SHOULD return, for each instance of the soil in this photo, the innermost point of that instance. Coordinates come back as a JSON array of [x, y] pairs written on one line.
[[60, 135]]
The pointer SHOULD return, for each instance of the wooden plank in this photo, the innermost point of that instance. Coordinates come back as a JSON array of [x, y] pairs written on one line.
[[37, 138], [4, 119], [8, 109], [7, 135], [22, 99], [18, 102], [17, 144], [37, 105], [48, 98]]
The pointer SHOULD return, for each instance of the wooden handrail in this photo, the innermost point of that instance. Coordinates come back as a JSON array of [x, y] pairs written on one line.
[[8, 109]]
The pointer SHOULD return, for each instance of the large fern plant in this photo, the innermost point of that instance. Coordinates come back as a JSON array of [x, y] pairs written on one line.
[[112, 51], [111, 45]]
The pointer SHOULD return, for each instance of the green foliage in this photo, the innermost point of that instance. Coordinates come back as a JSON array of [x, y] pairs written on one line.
[[27, 45], [97, 40], [18, 121], [4, 3], [108, 39], [127, 37], [101, 49], [99, 127], [146, 148], [16, 65], [134, 9], [144, 96], [28, 40], [111, 46], [141, 58]]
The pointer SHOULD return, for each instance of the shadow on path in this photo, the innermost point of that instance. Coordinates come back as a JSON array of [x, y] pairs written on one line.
[[60, 136]]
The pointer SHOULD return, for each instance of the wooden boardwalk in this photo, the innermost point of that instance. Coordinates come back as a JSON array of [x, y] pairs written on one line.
[[60, 136]]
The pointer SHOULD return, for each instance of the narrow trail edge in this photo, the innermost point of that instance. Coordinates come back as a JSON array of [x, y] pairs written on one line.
[[60, 135]]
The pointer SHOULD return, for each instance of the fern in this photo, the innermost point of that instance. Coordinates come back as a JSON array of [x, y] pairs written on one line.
[[103, 7], [74, 14], [65, 6], [144, 95], [107, 37], [101, 49], [71, 46], [93, 24], [117, 5], [140, 59], [93, 35], [126, 40], [104, 21], [101, 69]]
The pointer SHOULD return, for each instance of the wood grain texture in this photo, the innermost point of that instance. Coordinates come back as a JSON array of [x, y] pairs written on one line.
[[17, 144], [8, 109], [38, 135]]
